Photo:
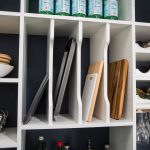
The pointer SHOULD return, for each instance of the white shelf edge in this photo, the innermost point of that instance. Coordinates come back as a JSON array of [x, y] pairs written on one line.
[[8, 138], [142, 78], [143, 105], [76, 126], [9, 13], [9, 80], [142, 52], [72, 18], [144, 24], [99, 123]]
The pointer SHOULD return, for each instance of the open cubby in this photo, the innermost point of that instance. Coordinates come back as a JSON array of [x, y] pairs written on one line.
[[77, 138], [62, 33], [36, 70], [9, 44], [8, 5], [141, 146], [120, 48], [36, 66], [94, 43], [59, 48], [9, 101], [142, 12]]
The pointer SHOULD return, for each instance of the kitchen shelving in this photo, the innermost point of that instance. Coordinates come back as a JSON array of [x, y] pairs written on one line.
[[37, 49]]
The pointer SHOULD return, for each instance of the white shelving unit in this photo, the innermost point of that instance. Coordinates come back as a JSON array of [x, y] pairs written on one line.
[[120, 35]]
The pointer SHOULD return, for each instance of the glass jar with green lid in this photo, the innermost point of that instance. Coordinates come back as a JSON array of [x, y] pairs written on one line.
[[111, 9], [46, 6], [63, 7], [79, 8], [95, 8]]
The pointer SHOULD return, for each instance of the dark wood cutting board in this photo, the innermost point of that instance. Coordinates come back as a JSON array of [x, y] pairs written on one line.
[[117, 76]]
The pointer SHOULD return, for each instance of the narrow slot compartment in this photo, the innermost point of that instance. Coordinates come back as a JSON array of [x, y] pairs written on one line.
[[94, 49], [76, 138], [140, 145], [8, 135], [70, 112], [7, 5], [37, 50], [142, 103], [142, 34], [121, 48]]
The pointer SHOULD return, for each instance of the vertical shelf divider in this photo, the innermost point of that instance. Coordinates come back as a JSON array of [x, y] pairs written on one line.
[[21, 84], [75, 105], [50, 43]]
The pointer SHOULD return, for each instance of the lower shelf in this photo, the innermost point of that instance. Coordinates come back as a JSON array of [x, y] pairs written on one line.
[[8, 138], [66, 121]]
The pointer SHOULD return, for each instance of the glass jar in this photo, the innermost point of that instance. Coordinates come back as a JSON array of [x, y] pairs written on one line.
[[79, 8], [63, 7], [46, 6], [95, 8], [111, 9]]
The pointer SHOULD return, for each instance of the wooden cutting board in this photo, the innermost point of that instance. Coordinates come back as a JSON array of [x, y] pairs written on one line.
[[95, 69], [117, 76]]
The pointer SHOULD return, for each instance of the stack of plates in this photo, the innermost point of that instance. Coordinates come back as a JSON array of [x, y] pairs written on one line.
[[5, 67]]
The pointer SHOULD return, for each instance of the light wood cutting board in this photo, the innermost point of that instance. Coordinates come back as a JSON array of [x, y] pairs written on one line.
[[117, 76], [95, 68]]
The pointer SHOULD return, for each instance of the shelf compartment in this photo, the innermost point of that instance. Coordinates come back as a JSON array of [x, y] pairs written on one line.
[[94, 48], [37, 48], [8, 138], [9, 102], [9, 44], [142, 11], [9, 24], [143, 104], [77, 138], [121, 48], [142, 34], [122, 137], [7, 5], [71, 106]]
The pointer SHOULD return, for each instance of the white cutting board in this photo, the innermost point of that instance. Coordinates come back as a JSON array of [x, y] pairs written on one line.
[[87, 96]]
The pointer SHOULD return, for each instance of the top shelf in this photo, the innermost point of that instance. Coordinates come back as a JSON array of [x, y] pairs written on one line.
[[31, 6], [126, 9]]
